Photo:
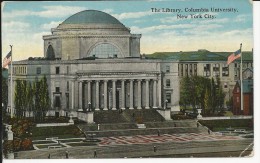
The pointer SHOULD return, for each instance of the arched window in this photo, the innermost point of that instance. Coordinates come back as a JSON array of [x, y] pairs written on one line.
[[105, 50], [50, 52]]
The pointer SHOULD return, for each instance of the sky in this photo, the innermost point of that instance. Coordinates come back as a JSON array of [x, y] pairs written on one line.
[[24, 24]]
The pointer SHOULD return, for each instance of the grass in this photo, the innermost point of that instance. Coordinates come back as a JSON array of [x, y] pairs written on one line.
[[82, 144], [226, 123], [44, 142], [56, 131]]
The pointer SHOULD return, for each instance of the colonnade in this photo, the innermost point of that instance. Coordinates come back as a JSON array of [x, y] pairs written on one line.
[[97, 85]]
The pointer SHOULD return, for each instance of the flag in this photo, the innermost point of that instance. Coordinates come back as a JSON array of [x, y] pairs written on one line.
[[234, 56], [7, 59]]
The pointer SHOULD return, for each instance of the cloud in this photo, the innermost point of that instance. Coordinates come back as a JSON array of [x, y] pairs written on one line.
[[48, 11], [160, 27], [109, 10], [15, 26], [52, 24], [131, 15], [170, 19], [243, 18], [59, 11]]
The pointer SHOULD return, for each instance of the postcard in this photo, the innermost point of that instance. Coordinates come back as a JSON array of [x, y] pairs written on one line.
[[127, 79]]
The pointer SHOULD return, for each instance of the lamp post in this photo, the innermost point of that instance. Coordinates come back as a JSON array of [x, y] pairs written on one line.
[[165, 106], [89, 106]]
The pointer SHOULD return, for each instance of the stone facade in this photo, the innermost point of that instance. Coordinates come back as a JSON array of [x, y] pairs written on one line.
[[98, 67]]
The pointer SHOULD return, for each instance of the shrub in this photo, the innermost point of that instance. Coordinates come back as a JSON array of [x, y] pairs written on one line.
[[26, 144]]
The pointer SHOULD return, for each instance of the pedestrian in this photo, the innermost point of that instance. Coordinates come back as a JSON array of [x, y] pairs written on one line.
[[95, 154], [154, 149], [208, 131], [158, 132], [67, 154], [49, 156], [175, 125]]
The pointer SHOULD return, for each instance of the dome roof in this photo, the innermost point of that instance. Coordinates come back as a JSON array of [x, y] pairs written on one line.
[[91, 17]]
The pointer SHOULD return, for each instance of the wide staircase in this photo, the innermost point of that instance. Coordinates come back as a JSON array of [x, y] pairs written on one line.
[[136, 122]]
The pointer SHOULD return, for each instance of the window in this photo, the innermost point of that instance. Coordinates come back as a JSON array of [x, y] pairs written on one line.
[[57, 70], [167, 68], [195, 69], [168, 83], [68, 87], [105, 50], [67, 69], [237, 99], [216, 69], [57, 89], [190, 69], [225, 70], [237, 89], [181, 69], [225, 85], [57, 101], [206, 70], [38, 70], [168, 97], [186, 69]]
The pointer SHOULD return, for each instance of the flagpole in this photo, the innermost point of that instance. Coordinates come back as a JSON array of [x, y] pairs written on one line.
[[241, 80], [11, 81]]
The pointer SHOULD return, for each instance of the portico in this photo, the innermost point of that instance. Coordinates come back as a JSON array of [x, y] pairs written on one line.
[[117, 91]]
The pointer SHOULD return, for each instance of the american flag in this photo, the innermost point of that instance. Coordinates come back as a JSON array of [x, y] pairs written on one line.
[[7, 59], [234, 56]]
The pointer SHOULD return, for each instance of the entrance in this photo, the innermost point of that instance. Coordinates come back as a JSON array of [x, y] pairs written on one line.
[[57, 114], [117, 99]]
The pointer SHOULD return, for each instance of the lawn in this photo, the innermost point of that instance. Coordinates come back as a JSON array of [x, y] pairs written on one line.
[[39, 133], [220, 125], [82, 144]]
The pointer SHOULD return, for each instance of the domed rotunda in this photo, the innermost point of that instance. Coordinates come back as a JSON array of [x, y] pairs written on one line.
[[91, 33]]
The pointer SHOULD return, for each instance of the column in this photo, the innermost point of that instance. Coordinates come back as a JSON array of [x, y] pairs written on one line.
[[72, 95], [114, 95], [97, 95], [154, 94], [89, 95], [147, 94], [159, 92], [80, 96], [139, 91], [131, 95], [105, 95], [123, 94]]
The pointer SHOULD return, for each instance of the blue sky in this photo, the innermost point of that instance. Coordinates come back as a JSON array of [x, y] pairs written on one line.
[[24, 23]]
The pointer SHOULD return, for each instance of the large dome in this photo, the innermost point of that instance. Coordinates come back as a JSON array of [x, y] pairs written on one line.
[[91, 17]]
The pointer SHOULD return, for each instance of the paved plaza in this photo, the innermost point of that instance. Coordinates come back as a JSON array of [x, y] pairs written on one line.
[[167, 145]]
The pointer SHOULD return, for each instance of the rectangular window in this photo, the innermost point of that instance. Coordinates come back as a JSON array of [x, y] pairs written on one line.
[[168, 97], [57, 101], [67, 100], [206, 70], [57, 89], [167, 68], [190, 67], [216, 70], [195, 69], [181, 69], [225, 85], [237, 99], [38, 70], [68, 87], [168, 83], [225, 70], [67, 69], [186, 70], [57, 70]]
